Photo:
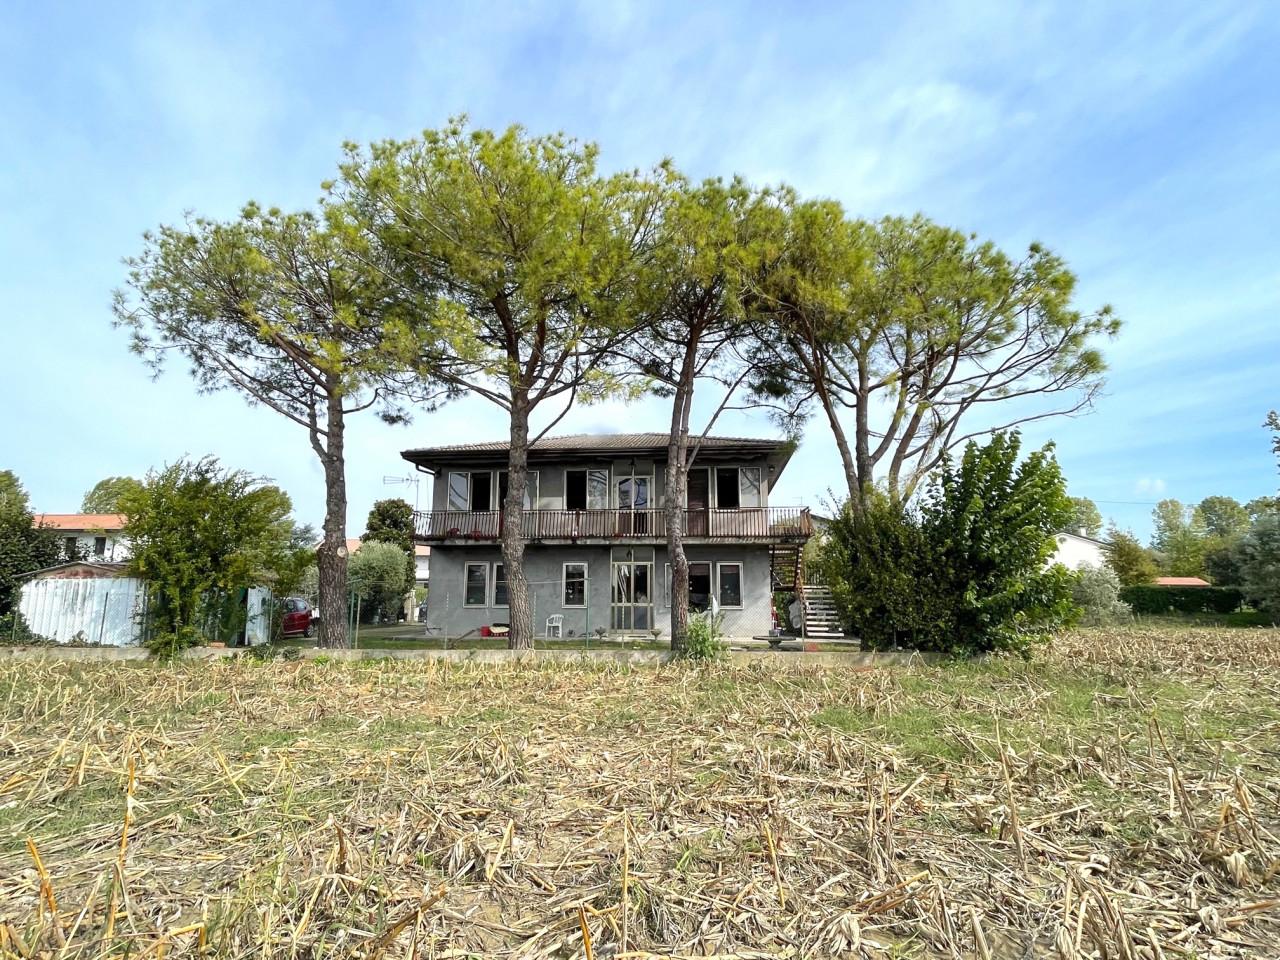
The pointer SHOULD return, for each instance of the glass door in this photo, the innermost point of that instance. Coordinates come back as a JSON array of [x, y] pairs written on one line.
[[633, 505], [632, 607]]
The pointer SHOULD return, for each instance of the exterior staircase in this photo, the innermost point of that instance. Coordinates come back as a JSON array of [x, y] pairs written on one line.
[[821, 621]]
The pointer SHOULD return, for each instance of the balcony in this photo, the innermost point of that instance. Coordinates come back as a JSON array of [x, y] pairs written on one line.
[[756, 524]]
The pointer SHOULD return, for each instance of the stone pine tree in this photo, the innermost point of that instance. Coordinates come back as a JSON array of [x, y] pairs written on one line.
[[524, 257], [714, 239], [912, 338], [291, 311]]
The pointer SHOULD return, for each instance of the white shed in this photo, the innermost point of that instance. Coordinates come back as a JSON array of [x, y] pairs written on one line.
[[85, 603]]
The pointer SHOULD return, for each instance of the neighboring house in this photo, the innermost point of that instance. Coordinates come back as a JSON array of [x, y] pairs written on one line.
[[1181, 582], [97, 537], [1076, 551], [596, 551]]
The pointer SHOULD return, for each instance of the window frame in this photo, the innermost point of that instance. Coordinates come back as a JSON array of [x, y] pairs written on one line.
[[737, 484], [100, 547], [530, 500], [493, 586], [448, 495], [564, 584], [466, 570], [742, 592], [758, 492]]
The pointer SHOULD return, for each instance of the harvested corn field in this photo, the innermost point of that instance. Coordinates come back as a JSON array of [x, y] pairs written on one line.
[[1116, 797]]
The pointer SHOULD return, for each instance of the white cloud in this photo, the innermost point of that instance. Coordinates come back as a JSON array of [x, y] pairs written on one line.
[[1149, 486]]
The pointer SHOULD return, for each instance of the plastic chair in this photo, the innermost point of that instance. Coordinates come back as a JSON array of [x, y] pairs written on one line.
[[554, 622]]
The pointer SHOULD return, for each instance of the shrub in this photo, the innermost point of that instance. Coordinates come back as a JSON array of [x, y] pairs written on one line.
[[1258, 559], [969, 571], [14, 630], [703, 642], [1153, 598], [1096, 591]]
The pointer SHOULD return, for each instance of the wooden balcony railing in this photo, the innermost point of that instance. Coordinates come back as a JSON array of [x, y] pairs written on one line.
[[752, 523]]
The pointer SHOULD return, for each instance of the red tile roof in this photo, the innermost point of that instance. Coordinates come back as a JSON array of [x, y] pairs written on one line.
[[1181, 582], [81, 521]]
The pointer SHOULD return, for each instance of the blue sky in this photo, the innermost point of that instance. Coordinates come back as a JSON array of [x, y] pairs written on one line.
[[1140, 141]]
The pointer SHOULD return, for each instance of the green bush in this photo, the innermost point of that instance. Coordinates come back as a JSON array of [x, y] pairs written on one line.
[[966, 573], [15, 631], [1153, 598], [703, 642], [1096, 591]]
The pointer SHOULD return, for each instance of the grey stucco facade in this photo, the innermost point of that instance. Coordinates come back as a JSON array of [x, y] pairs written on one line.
[[450, 616], [596, 503]]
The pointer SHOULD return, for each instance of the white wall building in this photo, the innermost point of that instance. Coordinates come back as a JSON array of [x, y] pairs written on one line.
[[96, 537], [1075, 552]]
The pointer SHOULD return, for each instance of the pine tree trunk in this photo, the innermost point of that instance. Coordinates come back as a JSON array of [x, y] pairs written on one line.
[[677, 485], [519, 600], [331, 558], [677, 478]]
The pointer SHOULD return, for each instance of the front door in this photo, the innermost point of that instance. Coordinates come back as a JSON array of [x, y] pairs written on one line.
[[699, 502], [632, 607]]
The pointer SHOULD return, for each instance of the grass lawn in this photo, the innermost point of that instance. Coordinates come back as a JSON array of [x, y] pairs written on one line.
[[1117, 796]]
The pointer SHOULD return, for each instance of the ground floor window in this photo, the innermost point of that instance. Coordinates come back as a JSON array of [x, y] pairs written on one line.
[[575, 585], [476, 585], [499, 585], [729, 576], [699, 587]]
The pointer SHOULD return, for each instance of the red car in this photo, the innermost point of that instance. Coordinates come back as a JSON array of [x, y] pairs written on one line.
[[298, 620]]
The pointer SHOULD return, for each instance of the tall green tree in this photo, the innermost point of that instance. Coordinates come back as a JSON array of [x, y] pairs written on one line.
[[198, 534], [524, 257], [24, 546], [391, 521], [292, 311], [714, 240], [968, 570], [379, 580], [994, 517], [106, 494], [12, 494], [1132, 562], [925, 337], [1223, 517], [1258, 561], [1086, 518], [1179, 537]]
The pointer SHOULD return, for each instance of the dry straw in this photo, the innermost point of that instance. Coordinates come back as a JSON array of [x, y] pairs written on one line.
[[1115, 798]]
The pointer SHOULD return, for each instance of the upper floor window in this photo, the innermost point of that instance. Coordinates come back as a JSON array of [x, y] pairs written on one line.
[[586, 489], [99, 546], [739, 488], [470, 491], [530, 488]]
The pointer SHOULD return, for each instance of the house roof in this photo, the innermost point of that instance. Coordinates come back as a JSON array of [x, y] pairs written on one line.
[[604, 445], [1082, 537], [81, 521], [78, 569], [1181, 582]]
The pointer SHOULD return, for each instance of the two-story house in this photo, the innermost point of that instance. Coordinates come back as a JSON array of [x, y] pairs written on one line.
[[596, 556], [96, 537]]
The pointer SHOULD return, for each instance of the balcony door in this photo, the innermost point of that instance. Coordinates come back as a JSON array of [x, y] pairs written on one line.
[[698, 502], [633, 503]]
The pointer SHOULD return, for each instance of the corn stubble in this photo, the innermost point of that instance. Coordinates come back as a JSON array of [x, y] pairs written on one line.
[[1116, 797]]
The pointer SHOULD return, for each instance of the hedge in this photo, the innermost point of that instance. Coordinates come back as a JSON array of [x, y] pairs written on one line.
[[1150, 598]]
